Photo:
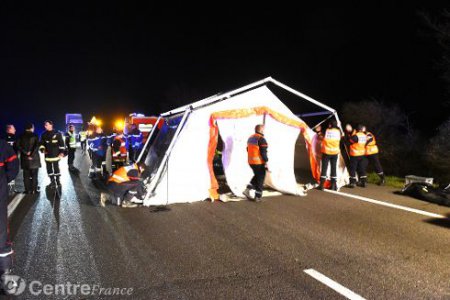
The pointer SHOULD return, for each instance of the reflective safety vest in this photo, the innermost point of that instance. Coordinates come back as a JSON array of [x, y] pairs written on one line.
[[254, 155], [72, 139], [120, 155], [83, 136], [371, 148], [120, 175], [358, 148], [331, 141]]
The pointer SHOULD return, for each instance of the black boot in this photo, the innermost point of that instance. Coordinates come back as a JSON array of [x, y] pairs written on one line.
[[52, 182], [333, 185], [362, 182], [352, 183], [322, 182], [382, 180]]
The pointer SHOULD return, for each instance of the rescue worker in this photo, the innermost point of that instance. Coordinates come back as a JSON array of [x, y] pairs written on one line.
[[52, 144], [119, 152], [71, 144], [358, 160], [372, 155], [11, 136], [83, 140], [135, 139], [30, 161], [126, 186], [9, 167], [257, 159], [330, 152], [98, 147]]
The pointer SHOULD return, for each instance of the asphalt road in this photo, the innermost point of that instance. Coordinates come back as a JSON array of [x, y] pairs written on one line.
[[239, 250]]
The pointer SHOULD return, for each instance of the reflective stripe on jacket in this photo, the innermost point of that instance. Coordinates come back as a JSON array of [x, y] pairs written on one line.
[[371, 147], [331, 141], [358, 148], [254, 151], [121, 174]]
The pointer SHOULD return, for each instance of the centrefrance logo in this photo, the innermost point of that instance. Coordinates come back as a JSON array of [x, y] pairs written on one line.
[[15, 285]]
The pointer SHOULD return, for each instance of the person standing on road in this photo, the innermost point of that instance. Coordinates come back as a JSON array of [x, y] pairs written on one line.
[[98, 147], [257, 159], [358, 160], [10, 136], [135, 138], [119, 151], [28, 146], [71, 144], [52, 144], [83, 138], [330, 153], [372, 155], [9, 167]]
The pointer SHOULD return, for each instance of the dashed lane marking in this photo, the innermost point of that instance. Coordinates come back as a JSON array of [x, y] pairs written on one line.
[[333, 285]]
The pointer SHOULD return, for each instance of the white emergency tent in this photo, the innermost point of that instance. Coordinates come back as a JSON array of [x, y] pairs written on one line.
[[181, 153]]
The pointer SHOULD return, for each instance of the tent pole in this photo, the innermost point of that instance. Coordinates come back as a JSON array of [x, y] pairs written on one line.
[[158, 174], [148, 139], [301, 95], [214, 98]]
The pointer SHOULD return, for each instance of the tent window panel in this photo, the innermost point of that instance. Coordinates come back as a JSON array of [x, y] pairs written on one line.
[[161, 143]]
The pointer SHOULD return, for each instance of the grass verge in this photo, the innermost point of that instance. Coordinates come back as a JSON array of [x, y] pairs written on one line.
[[392, 181]]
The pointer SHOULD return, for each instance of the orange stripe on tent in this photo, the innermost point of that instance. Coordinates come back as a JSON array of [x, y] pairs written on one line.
[[256, 111]]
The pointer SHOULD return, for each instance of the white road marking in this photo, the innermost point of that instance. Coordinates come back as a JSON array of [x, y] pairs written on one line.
[[14, 203], [417, 211], [333, 285]]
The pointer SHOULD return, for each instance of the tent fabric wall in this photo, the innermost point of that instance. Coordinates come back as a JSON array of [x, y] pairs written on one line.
[[187, 175]]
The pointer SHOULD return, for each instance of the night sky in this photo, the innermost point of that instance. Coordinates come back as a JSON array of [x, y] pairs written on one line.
[[111, 60]]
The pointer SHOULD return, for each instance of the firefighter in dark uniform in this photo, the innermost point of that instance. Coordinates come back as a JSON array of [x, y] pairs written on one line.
[[358, 160], [9, 167], [98, 146], [135, 139], [257, 159], [52, 144], [330, 151], [372, 155], [10, 137]]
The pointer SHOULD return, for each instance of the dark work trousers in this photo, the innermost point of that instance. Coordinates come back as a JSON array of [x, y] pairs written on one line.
[[332, 159], [97, 161], [71, 157], [5, 243], [133, 154], [126, 190], [83, 145], [30, 179], [257, 181], [53, 169], [358, 164], [374, 159]]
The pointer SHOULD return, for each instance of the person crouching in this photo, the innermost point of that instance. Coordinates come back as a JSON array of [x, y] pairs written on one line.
[[125, 186]]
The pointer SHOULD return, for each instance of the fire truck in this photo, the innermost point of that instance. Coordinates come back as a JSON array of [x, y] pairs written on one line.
[[144, 123]]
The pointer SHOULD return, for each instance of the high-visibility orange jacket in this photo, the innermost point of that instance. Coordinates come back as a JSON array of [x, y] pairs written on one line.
[[331, 141], [358, 144], [371, 147], [125, 174], [257, 149]]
